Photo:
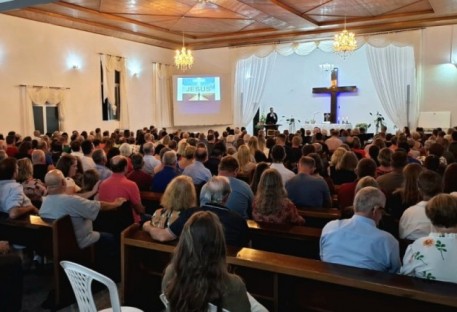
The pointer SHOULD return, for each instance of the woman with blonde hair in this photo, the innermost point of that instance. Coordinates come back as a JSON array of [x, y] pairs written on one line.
[[271, 203], [345, 169], [336, 156], [256, 153], [179, 195], [247, 167], [181, 149], [34, 189]]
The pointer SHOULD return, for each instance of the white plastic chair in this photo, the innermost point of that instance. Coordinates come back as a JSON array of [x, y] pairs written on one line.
[[81, 279]]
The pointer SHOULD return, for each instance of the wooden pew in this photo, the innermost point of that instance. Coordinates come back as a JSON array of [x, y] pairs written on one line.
[[53, 238], [293, 240], [319, 217], [286, 283], [31, 231], [151, 201]]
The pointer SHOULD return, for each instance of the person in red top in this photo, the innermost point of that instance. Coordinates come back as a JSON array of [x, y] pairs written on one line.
[[11, 149], [117, 185], [346, 192], [137, 175]]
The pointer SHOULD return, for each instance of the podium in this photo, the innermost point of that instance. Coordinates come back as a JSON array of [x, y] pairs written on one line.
[[271, 129]]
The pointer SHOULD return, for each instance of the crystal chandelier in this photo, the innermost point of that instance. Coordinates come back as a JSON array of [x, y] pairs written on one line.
[[183, 57], [344, 42]]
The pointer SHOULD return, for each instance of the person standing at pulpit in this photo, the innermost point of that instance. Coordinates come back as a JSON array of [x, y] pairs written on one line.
[[272, 117]]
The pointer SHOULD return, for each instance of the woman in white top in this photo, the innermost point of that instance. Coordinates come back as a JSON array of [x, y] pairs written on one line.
[[434, 256]]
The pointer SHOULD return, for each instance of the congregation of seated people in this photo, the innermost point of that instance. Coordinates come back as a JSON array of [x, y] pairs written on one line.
[[392, 188]]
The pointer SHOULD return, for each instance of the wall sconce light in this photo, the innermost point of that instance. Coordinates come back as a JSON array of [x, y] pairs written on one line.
[[74, 61]]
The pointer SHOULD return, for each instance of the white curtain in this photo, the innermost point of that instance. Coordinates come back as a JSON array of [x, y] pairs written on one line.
[[250, 78], [400, 39], [43, 96], [110, 64], [162, 94], [393, 72]]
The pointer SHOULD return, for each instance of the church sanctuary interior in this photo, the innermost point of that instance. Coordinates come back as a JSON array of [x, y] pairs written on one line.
[[228, 155]]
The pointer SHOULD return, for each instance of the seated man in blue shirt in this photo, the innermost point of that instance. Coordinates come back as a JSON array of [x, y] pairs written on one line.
[[357, 241], [168, 172], [197, 171], [306, 190]]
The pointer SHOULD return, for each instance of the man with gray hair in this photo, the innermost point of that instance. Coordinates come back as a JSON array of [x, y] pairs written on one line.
[[241, 197], [357, 241], [82, 211], [168, 172], [216, 191], [150, 162], [100, 161]]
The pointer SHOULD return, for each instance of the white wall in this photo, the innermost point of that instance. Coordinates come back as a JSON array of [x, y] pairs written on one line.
[[289, 90], [439, 76], [37, 53], [41, 54]]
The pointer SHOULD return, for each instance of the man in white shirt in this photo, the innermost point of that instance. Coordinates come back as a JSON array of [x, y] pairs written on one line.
[[150, 162], [86, 160], [334, 141], [414, 223], [278, 154]]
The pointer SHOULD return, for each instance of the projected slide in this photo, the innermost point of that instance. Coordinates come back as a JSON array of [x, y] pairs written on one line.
[[197, 95], [201, 100]]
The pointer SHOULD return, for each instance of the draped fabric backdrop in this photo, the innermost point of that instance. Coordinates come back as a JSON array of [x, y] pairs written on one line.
[[393, 70], [110, 64], [162, 94], [392, 65], [42, 96], [251, 75]]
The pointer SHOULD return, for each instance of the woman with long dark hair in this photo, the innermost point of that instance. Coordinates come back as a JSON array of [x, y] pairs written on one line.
[[197, 275], [271, 204]]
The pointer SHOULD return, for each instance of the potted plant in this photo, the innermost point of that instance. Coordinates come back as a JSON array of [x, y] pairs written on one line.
[[291, 122], [378, 121]]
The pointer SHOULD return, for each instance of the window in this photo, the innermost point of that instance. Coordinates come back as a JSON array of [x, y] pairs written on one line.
[[111, 112], [46, 118]]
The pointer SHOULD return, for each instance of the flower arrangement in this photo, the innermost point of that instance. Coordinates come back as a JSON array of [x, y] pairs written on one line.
[[378, 121], [291, 121]]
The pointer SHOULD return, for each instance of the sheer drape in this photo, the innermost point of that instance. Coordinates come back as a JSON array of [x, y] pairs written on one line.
[[400, 39], [162, 94], [394, 73], [42, 96], [110, 64], [251, 75]]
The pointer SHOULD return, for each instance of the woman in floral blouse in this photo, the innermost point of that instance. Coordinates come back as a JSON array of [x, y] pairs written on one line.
[[434, 256], [271, 203]]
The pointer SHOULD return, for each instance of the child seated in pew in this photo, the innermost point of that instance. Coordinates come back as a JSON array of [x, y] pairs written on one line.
[[434, 256]]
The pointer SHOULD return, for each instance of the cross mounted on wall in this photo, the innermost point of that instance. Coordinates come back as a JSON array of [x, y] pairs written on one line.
[[334, 90]]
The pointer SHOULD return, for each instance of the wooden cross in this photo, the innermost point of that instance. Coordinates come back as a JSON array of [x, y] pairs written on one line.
[[334, 90]]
